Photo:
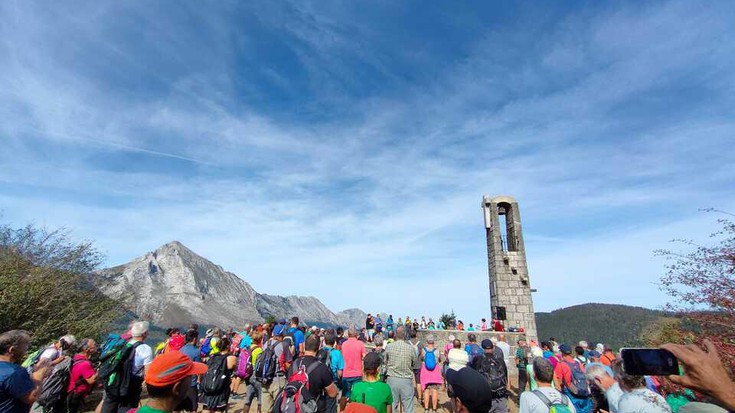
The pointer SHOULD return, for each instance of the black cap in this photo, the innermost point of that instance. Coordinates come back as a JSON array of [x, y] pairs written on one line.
[[471, 388], [487, 344]]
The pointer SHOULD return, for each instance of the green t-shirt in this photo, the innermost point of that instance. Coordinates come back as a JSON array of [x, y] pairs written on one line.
[[377, 394], [146, 409]]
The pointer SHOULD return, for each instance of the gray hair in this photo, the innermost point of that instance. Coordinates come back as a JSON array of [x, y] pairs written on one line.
[[352, 332], [430, 339], [13, 338], [378, 340], [595, 370], [400, 333], [68, 341], [583, 344], [139, 328], [543, 370], [85, 344]]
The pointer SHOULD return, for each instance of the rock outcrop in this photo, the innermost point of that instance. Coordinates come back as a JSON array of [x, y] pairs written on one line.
[[174, 286]]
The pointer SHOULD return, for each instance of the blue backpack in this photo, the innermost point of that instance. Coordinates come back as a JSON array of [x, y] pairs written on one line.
[[578, 387], [474, 351], [429, 359], [206, 347]]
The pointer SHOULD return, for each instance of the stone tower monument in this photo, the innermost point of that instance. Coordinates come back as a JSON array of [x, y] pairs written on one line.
[[510, 287]]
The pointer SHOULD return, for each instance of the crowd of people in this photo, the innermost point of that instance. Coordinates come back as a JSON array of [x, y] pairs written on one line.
[[379, 324], [285, 367]]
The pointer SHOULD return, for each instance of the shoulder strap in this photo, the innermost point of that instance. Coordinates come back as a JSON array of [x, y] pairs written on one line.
[[543, 397], [314, 364]]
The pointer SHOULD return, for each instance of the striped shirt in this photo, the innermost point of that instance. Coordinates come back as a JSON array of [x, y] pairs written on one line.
[[400, 358]]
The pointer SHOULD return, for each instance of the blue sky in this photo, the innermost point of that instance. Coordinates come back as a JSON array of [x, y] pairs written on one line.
[[341, 149]]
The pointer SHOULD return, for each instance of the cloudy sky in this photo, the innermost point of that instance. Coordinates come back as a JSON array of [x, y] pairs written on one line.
[[341, 149]]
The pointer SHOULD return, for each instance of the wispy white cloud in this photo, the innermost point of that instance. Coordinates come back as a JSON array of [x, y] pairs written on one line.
[[576, 126]]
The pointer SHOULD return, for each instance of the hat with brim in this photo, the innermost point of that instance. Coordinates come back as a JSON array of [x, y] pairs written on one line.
[[172, 367]]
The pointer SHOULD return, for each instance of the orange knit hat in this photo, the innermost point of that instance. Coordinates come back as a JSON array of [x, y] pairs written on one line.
[[172, 367]]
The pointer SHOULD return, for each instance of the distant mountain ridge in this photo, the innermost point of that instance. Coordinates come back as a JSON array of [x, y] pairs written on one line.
[[617, 325], [175, 286]]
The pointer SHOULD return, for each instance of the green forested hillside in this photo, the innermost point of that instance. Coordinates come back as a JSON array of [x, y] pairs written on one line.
[[618, 325]]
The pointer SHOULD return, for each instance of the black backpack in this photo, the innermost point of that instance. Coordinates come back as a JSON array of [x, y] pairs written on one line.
[[494, 371], [119, 374], [215, 379], [325, 357], [53, 389], [266, 365]]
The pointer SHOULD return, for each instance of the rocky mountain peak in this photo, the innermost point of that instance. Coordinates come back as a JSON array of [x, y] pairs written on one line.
[[173, 285]]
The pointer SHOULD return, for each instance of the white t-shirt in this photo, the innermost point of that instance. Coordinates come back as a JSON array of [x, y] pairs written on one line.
[[143, 357], [531, 403], [458, 358], [50, 354]]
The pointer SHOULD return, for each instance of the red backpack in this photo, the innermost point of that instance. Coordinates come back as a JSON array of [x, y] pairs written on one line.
[[295, 397]]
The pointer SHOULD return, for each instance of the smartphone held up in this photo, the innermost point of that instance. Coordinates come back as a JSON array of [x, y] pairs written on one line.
[[649, 362]]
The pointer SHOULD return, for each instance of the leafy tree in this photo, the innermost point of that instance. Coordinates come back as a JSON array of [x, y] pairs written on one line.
[[701, 283], [449, 320], [45, 288], [271, 319]]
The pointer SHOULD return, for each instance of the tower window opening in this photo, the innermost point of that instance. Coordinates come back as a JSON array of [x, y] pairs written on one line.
[[507, 228]]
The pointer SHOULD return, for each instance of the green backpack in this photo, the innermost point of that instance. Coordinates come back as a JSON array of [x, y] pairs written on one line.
[[562, 407]]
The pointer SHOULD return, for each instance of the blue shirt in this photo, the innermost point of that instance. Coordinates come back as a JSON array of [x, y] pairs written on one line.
[[15, 384], [338, 362], [246, 342], [193, 353], [298, 339]]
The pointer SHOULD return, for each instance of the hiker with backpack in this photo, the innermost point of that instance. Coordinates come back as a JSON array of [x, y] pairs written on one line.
[[190, 349], [570, 379], [167, 381], [472, 348], [272, 365], [401, 357], [244, 365], [418, 347], [53, 395], [431, 379], [608, 356], [297, 337], [521, 362], [18, 388], [254, 387], [309, 384], [333, 359], [545, 399], [216, 382], [123, 370], [491, 366], [54, 353], [371, 391], [82, 376], [471, 393]]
